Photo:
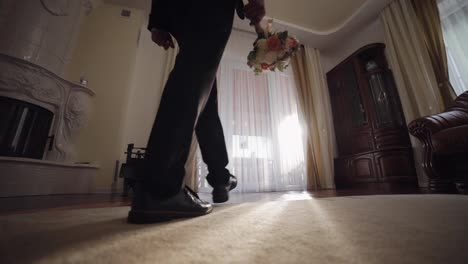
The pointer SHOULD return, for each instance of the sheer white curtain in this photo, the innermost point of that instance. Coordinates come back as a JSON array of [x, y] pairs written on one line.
[[260, 118], [454, 18]]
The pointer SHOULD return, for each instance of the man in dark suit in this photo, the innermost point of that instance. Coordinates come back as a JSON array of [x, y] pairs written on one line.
[[189, 103]]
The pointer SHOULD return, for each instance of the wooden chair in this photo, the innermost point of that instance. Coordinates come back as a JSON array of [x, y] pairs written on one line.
[[128, 171]]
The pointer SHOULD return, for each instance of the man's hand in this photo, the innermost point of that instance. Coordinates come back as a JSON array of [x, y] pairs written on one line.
[[162, 38], [255, 11]]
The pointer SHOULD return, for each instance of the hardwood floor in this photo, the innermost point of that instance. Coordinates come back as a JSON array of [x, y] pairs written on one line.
[[14, 205]]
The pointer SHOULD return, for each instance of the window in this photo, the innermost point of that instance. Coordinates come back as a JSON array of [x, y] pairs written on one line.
[[263, 134], [454, 19]]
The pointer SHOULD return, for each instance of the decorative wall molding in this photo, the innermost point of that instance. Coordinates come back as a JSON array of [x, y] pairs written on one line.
[[70, 102], [23, 77], [37, 41], [43, 32], [57, 7], [89, 5]]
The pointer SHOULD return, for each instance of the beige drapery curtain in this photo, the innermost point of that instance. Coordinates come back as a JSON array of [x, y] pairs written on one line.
[[315, 108], [410, 61], [412, 68], [427, 13]]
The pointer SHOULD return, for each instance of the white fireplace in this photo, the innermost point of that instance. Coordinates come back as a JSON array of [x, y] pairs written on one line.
[[38, 37]]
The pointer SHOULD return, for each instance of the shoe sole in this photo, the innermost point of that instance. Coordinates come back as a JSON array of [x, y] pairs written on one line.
[[145, 217], [221, 195]]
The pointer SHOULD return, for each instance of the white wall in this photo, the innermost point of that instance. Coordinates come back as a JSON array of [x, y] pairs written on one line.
[[373, 32], [126, 69], [146, 88], [106, 53], [239, 45]]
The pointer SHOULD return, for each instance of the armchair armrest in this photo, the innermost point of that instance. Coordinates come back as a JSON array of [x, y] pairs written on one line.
[[442, 134], [426, 126], [456, 115]]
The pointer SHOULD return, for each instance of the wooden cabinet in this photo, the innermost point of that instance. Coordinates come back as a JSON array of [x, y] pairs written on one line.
[[395, 165], [372, 138], [359, 169]]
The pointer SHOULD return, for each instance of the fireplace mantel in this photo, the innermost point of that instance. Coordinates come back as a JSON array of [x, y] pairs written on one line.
[[70, 102]]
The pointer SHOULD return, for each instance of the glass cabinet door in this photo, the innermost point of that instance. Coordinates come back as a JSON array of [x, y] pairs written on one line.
[[381, 85], [358, 112]]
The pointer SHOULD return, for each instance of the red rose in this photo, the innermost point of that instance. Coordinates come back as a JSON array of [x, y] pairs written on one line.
[[274, 43], [265, 66], [292, 43]]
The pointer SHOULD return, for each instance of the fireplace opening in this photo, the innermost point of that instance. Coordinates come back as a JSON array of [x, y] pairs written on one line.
[[24, 128]]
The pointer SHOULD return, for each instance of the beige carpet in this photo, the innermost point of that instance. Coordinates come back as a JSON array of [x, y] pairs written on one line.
[[368, 229]]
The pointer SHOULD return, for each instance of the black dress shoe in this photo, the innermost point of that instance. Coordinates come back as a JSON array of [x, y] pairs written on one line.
[[146, 209], [221, 192]]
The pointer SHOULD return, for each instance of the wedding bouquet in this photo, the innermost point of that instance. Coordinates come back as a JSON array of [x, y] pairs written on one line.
[[272, 50]]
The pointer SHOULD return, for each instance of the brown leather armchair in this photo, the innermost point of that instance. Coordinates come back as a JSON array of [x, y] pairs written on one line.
[[445, 144]]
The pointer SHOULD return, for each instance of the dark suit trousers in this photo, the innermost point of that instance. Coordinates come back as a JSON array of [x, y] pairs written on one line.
[[189, 103]]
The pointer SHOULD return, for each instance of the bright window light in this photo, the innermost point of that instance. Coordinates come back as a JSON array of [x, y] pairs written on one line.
[[250, 147], [290, 144]]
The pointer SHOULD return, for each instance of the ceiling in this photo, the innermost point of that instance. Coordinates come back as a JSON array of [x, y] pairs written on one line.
[[319, 16], [316, 22]]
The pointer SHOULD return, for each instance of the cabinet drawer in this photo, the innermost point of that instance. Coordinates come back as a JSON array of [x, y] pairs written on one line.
[[395, 165], [361, 142], [391, 138], [355, 169], [363, 169]]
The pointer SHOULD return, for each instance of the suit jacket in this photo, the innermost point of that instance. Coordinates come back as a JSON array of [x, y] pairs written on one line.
[[194, 15]]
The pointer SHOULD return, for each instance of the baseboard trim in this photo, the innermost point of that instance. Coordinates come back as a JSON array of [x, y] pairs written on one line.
[[27, 177]]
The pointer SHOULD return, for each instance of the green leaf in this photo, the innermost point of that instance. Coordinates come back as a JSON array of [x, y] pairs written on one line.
[[283, 36], [281, 68], [252, 56]]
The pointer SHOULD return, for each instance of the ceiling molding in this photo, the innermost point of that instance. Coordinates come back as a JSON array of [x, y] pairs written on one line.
[[334, 29], [315, 16], [366, 14]]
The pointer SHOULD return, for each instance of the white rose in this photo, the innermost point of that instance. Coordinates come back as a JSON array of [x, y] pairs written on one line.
[[260, 56], [262, 44], [281, 54], [270, 57]]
